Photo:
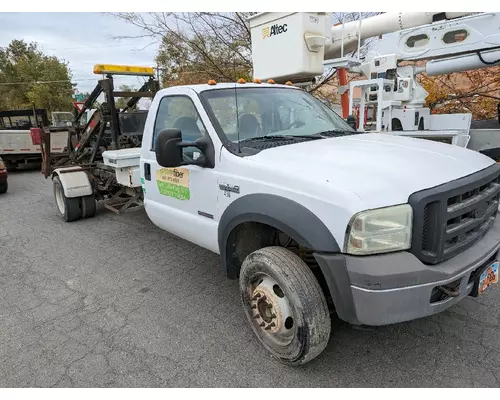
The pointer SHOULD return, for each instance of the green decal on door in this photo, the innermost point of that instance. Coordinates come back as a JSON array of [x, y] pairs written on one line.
[[173, 182]]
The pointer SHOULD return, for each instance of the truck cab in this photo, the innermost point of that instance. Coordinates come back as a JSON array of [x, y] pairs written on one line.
[[313, 217], [309, 216]]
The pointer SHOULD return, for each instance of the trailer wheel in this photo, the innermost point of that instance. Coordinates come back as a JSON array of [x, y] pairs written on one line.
[[69, 208], [88, 206], [284, 304]]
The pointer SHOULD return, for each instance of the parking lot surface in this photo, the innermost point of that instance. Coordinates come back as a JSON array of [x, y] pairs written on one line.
[[115, 301]]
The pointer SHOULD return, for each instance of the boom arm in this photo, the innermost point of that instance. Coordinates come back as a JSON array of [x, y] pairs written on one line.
[[344, 38]]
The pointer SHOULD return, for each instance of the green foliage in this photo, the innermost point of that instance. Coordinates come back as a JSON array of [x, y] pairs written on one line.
[[21, 66]]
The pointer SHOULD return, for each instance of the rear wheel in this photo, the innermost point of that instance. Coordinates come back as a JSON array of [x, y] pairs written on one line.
[[3, 187], [88, 206], [285, 305], [69, 208]]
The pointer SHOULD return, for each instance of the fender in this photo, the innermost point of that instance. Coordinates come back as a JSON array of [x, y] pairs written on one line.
[[74, 181], [290, 217]]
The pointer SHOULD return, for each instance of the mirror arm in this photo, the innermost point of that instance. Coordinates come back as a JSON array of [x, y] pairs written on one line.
[[198, 145]]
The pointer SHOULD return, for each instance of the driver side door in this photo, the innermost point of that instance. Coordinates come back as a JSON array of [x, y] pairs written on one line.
[[181, 200]]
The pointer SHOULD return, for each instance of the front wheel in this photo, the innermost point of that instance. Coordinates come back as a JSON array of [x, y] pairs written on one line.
[[285, 305], [3, 187]]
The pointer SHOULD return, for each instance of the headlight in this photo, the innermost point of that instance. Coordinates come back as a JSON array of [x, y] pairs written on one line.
[[380, 230]]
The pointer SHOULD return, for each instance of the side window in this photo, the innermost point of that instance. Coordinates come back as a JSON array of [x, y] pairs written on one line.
[[179, 112]]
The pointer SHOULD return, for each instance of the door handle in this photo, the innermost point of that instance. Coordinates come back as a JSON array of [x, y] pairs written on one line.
[[147, 171]]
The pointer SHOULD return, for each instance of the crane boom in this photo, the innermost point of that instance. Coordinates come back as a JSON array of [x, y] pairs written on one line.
[[344, 38]]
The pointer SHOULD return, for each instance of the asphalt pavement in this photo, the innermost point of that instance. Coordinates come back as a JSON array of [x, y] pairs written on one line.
[[114, 301]]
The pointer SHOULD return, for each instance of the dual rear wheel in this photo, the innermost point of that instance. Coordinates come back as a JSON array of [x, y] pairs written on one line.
[[73, 208]]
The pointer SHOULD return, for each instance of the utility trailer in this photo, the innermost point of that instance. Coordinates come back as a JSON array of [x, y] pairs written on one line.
[[91, 154], [16, 145]]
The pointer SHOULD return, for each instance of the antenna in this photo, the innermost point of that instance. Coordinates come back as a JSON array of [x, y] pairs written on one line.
[[237, 116]]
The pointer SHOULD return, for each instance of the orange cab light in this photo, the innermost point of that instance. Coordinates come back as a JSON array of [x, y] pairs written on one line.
[[271, 81], [241, 80], [257, 81], [288, 83], [212, 82]]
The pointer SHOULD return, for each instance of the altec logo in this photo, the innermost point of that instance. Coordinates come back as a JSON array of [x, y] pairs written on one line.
[[274, 30]]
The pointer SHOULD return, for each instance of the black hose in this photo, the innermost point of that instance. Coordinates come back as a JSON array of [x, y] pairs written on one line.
[[484, 61]]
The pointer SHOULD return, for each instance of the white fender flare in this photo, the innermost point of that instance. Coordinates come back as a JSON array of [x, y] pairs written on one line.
[[75, 183]]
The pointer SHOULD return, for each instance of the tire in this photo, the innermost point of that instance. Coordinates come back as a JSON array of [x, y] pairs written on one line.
[[88, 206], [3, 187], [278, 288], [69, 208]]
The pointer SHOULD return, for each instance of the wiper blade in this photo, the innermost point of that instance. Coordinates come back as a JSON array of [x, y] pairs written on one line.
[[335, 133], [279, 137]]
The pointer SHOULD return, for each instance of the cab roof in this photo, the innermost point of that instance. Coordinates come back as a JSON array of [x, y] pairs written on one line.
[[202, 87]]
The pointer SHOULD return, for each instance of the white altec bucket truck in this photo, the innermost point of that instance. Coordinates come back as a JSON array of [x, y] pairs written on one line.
[[447, 41], [314, 219]]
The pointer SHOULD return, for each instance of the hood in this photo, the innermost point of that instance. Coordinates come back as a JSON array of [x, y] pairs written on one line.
[[381, 169]]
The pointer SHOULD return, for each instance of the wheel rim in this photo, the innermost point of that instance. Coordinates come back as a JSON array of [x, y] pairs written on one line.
[[59, 199], [270, 311]]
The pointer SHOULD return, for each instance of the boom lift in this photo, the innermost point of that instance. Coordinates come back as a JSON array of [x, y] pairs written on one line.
[[108, 129], [451, 42]]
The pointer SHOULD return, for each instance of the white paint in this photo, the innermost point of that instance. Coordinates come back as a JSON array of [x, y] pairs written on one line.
[[333, 178]]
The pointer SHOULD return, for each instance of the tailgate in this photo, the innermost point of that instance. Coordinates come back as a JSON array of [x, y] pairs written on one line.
[[19, 142]]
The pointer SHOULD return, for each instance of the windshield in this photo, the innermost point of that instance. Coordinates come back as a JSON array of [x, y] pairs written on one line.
[[264, 112]]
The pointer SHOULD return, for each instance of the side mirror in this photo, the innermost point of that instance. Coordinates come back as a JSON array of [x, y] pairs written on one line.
[[167, 148]]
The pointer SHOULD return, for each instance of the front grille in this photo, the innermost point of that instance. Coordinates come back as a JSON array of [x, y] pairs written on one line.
[[450, 218]]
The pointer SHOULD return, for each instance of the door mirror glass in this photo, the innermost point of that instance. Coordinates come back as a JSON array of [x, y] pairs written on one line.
[[167, 148]]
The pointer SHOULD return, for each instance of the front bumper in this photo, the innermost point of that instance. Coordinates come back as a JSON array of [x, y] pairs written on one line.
[[397, 287]]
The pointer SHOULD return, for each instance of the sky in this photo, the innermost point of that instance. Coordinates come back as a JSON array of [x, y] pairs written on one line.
[[83, 40]]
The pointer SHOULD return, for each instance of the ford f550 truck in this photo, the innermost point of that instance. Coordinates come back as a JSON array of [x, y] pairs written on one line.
[[311, 217]]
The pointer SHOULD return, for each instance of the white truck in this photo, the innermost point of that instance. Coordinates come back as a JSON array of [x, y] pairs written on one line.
[[16, 145], [311, 217]]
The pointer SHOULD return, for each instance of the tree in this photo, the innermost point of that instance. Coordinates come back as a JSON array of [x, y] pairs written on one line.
[[476, 92], [28, 76], [195, 47]]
